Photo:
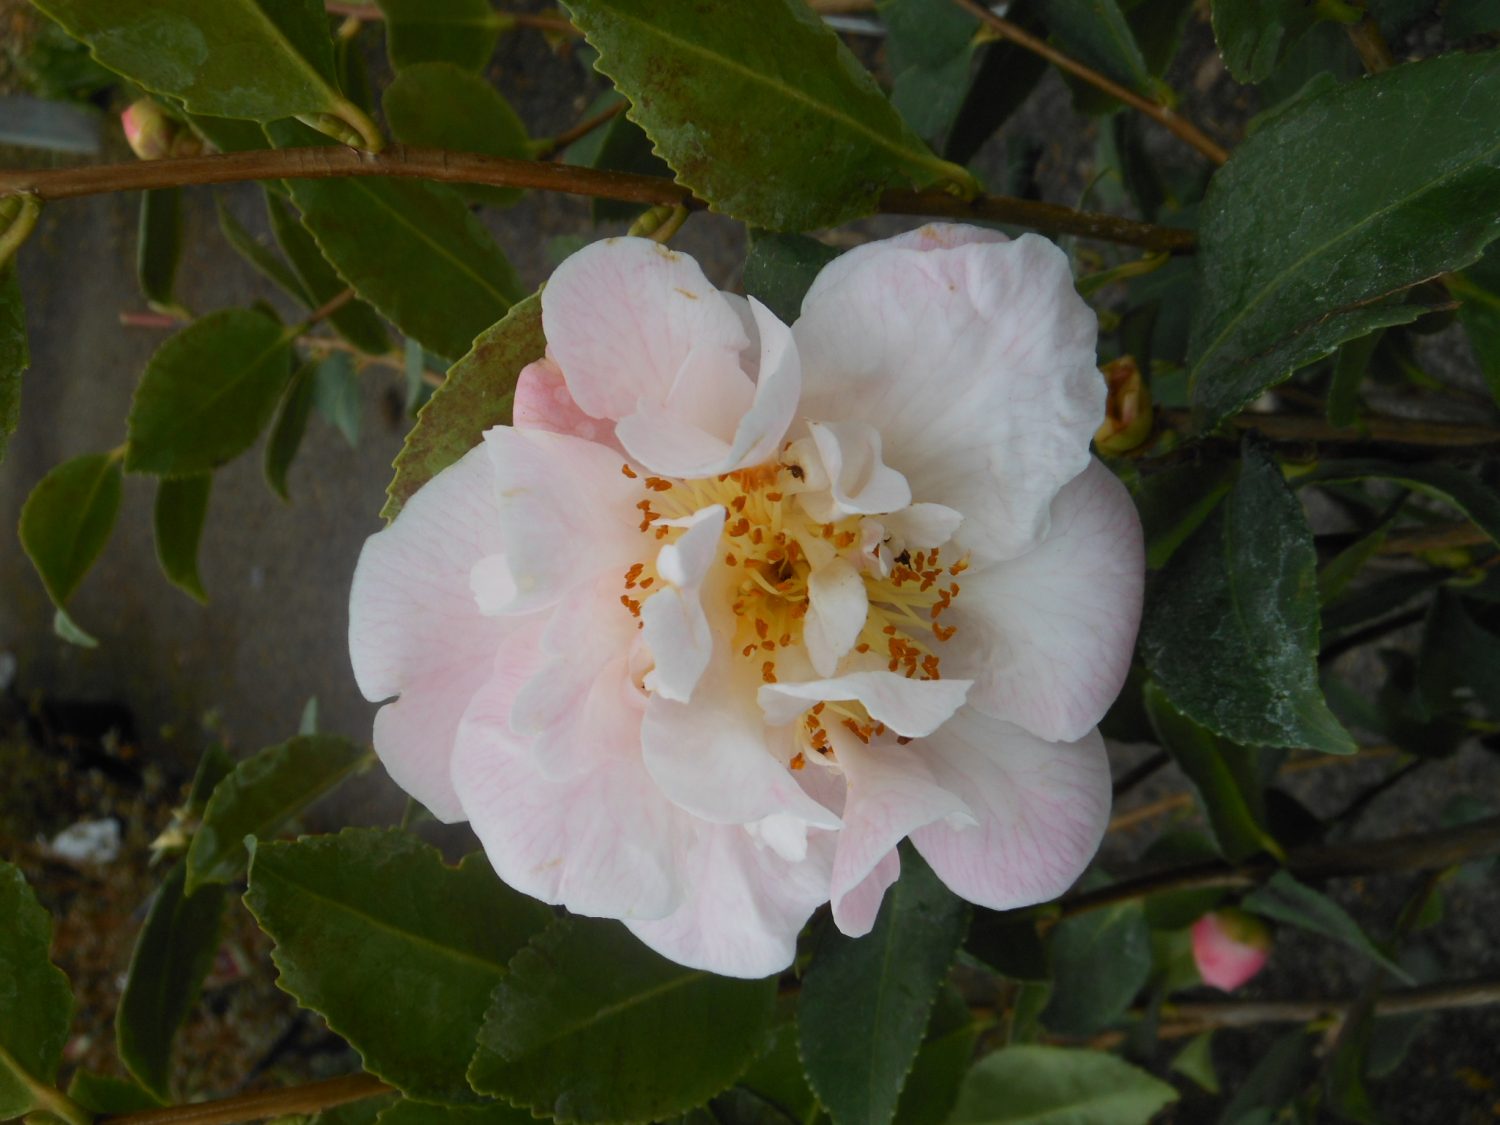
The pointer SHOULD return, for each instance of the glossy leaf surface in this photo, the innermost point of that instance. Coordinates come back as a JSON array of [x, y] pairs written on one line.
[[1034, 1085], [177, 524], [67, 519]]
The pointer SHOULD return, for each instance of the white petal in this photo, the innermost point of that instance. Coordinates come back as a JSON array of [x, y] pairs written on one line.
[[836, 612], [976, 365], [673, 623], [855, 911], [492, 585], [1048, 635], [861, 483], [914, 708], [922, 526], [685, 562], [1042, 810]]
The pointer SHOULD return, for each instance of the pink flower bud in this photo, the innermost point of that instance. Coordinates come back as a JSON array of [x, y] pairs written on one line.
[[148, 129], [1127, 413], [1230, 947]]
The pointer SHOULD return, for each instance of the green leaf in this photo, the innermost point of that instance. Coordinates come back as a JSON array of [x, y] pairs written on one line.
[[1272, 1082], [207, 393], [442, 105], [408, 1112], [932, 1086], [356, 321], [159, 246], [1196, 1061], [336, 395], [476, 395], [38, 1007], [1174, 503], [181, 510], [1336, 574], [1320, 220], [776, 1076], [1032, 1085], [1349, 367], [69, 630], [289, 427], [865, 1001], [1452, 486], [1478, 288], [1283, 899], [1231, 627], [1460, 661], [1003, 81], [67, 519], [108, 1096], [780, 268], [263, 793], [432, 942], [15, 356], [1254, 35], [263, 258], [429, 244], [930, 45], [590, 1025], [462, 32], [822, 142], [1096, 33], [249, 59], [172, 955], [1228, 779], [1100, 960], [1471, 17], [620, 146]]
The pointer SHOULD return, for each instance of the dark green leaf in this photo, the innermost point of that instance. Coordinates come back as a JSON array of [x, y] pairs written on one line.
[[1175, 502], [1231, 627], [356, 321], [181, 510], [1096, 33], [429, 244], [15, 356], [442, 105], [289, 427], [408, 1112], [1336, 574], [1100, 960], [173, 954], [1349, 367], [1254, 35], [780, 268], [431, 941], [1273, 1081], [622, 146], [159, 246], [1462, 490], [777, 1076], [336, 395], [215, 765], [250, 59], [1291, 268], [207, 393], [930, 45], [590, 1025], [366, 1111], [263, 258], [1466, 18], [263, 793], [38, 1007], [1227, 777], [1058, 1086], [1460, 661], [1008, 942], [1196, 1060], [455, 31], [1478, 288], [932, 1086], [476, 395], [1004, 80], [822, 142], [67, 519], [1283, 899], [865, 1002], [108, 1096]]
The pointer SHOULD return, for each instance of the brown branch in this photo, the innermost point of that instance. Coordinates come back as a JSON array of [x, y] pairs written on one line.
[[256, 1107], [1306, 427], [1441, 538], [327, 309], [1178, 126], [328, 162]]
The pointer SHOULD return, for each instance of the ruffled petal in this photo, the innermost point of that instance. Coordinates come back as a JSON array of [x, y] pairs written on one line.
[[745, 906], [673, 623], [1048, 636], [1042, 809], [975, 364], [623, 315], [415, 631], [855, 911], [566, 512], [922, 526], [543, 402], [913, 708], [837, 605], [860, 483]]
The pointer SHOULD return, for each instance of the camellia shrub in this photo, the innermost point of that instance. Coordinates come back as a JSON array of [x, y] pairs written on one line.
[[769, 641]]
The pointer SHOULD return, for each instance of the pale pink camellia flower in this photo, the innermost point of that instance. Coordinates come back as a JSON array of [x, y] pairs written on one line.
[[1230, 947], [733, 608]]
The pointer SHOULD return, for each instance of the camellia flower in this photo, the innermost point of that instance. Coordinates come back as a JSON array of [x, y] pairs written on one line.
[[733, 608], [1230, 947]]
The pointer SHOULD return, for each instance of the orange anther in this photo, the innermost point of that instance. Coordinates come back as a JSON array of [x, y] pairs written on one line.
[[657, 484], [762, 629], [738, 503], [773, 497], [768, 671], [646, 582], [862, 647], [739, 527], [799, 760], [628, 471], [943, 632]]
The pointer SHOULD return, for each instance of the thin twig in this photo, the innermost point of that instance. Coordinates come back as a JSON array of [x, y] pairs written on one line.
[[326, 309], [259, 1106], [1303, 427], [328, 162], [1441, 538], [582, 129], [1179, 126], [1373, 50]]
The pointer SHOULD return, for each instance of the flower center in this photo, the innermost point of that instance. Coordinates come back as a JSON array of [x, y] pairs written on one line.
[[770, 548]]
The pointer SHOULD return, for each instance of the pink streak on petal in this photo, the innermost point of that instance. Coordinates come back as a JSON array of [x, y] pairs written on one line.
[[543, 402], [855, 911]]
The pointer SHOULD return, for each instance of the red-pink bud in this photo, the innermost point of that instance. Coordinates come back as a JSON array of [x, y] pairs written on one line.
[[148, 129], [1230, 947]]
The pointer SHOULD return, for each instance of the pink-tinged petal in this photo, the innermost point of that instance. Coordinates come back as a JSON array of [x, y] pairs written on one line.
[[745, 906], [837, 606], [891, 794], [855, 911], [922, 526], [415, 631], [1048, 636], [623, 315], [1042, 809], [566, 512], [602, 843], [932, 236], [673, 623], [913, 708], [859, 481], [493, 586], [543, 402], [1230, 947], [976, 365], [715, 758]]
